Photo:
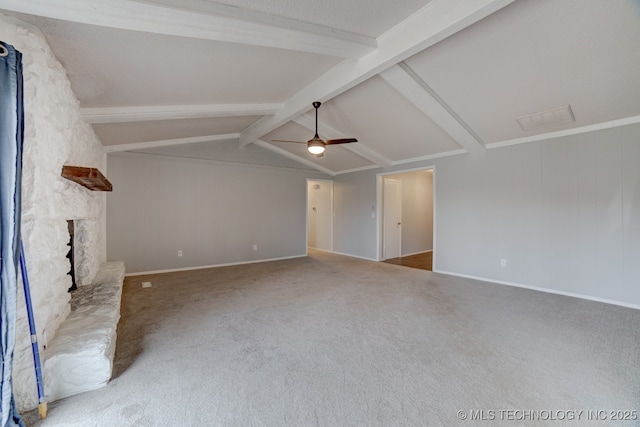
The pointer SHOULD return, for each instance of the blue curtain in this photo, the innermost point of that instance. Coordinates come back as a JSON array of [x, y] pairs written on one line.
[[11, 136]]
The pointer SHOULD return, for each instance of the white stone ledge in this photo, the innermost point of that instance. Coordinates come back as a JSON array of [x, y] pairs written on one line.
[[80, 356]]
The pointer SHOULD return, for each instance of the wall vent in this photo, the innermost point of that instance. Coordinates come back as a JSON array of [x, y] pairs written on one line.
[[555, 116]]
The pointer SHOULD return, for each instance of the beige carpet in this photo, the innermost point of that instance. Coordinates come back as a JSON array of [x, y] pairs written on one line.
[[328, 340]]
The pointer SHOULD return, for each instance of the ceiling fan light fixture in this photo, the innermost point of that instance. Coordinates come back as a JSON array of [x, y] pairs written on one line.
[[315, 147]]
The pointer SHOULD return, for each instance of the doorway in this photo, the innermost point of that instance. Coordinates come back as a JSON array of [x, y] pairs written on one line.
[[416, 244], [320, 214], [392, 219]]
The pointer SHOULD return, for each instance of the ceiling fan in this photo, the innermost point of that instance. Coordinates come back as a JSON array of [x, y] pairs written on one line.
[[316, 145]]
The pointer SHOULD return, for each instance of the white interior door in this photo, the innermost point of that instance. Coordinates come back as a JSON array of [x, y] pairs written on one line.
[[392, 218], [320, 214]]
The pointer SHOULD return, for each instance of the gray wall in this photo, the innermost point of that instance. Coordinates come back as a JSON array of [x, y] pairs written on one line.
[[213, 212], [354, 226], [564, 213], [417, 211]]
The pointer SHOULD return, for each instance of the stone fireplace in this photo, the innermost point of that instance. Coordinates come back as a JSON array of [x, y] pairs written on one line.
[[54, 135], [81, 243], [70, 255]]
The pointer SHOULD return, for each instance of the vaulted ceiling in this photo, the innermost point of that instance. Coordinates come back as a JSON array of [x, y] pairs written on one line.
[[410, 79]]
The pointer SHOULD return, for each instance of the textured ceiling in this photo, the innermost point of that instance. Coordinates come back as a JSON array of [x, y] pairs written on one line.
[[537, 55], [410, 79], [367, 17], [109, 67]]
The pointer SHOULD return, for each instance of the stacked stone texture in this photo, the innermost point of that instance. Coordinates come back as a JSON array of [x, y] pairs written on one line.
[[55, 135]]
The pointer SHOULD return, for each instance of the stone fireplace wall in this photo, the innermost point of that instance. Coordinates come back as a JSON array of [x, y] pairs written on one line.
[[55, 135]]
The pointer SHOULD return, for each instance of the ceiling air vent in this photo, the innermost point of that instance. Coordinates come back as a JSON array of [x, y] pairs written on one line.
[[555, 116]]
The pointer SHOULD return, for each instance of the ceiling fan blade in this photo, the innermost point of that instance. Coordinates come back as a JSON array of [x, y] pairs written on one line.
[[286, 140], [340, 141]]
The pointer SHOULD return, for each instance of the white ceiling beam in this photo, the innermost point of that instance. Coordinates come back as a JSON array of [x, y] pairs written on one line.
[[202, 20], [168, 142], [566, 132], [295, 157], [434, 22], [356, 147], [171, 112], [360, 169], [431, 156], [403, 79]]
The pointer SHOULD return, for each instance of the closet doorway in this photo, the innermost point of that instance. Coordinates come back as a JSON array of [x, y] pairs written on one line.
[[416, 226]]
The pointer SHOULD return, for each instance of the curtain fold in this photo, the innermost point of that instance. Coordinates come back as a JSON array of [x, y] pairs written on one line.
[[11, 139]]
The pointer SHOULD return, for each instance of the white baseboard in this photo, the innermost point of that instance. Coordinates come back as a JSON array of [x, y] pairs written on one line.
[[202, 267], [547, 290], [344, 254], [416, 253]]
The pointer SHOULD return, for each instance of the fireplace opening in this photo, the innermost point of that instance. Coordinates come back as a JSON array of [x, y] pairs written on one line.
[[70, 257]]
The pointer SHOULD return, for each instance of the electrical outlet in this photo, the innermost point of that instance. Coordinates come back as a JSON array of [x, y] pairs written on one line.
[[503, 262], [255, 247], [179, 252]]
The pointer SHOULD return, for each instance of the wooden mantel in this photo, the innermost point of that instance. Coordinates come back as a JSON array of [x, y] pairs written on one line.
[[90, 178]]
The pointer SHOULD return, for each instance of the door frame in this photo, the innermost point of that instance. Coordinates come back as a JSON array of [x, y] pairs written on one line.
[[380, 209], [388, 234]]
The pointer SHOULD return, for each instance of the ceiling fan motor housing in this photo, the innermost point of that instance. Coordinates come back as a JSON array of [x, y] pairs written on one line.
[[316, 146]]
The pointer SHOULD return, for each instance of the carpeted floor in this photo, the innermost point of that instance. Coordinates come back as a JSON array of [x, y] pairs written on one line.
[[328, 340]]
